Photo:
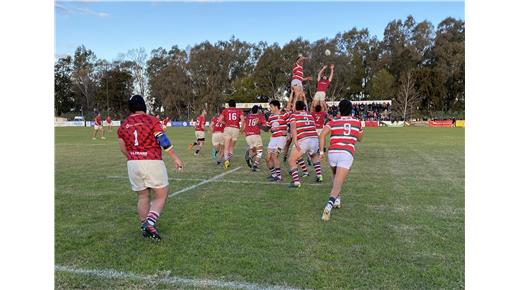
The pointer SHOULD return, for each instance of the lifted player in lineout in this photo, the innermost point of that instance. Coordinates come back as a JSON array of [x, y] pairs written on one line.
[[217, 138], [200, 137], [231, 117], [141, 138], [344, 132], [322, 85], [305, 142], [252, 131]]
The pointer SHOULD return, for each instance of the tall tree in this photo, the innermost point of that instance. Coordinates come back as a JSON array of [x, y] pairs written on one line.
[[63, 93], [407, 98], [83, 76]]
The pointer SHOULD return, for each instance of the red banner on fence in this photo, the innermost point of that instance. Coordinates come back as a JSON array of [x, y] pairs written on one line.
[[371, 124], [440, 123]]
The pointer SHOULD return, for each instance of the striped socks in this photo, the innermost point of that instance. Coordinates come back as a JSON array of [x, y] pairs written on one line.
[[278, 173], [303, 166], [317, 167], [330, 203], [294, 175], [152, 217], [273, 172]]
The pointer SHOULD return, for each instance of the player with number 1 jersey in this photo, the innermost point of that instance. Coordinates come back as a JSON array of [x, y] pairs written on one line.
[[141, 138]]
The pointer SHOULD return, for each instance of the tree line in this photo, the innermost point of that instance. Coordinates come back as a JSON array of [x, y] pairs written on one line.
[[417, 66]]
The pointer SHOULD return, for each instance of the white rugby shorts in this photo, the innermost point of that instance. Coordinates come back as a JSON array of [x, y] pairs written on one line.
[[147, 174], [276, 143], [309, 145], [340, 159]]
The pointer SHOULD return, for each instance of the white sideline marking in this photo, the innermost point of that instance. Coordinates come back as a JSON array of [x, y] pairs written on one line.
[[204, 182], [166, 279], [222, 181]]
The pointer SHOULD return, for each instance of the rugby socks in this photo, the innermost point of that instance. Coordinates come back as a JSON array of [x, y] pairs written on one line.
[[294, 175], [330, 203], [317, 167], [303, 166], [273, 172], [152, 217], [278, 173]]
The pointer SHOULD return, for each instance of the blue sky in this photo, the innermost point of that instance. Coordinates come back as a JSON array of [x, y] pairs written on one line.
[[110, 28]]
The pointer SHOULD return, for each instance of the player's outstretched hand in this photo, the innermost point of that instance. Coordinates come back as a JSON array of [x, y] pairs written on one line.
[[331, 66]]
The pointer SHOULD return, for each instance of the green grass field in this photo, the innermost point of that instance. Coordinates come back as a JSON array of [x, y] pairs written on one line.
[[401, 224]]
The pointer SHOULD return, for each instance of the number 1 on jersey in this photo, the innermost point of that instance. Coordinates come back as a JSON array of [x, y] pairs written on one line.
[[136, 143]]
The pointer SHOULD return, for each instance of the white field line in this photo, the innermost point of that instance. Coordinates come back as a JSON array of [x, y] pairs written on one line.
[[166, 279], [204, 182], [221, 181]]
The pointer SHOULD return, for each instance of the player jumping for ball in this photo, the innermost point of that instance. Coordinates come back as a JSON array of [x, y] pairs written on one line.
[[231, 117], [199, 132], [98, 126], [217, 138], [252, 131], [305, 142], [141, 138], [322, 86], [297, 76], [277, 122], [344, 132]]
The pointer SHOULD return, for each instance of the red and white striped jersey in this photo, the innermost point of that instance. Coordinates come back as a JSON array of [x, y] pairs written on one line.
[[344, 134], [278, 124], [305, 125], [297, 72]]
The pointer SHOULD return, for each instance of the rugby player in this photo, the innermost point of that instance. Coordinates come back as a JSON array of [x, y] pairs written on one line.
[[217, 138], [297, 76], [277, 122], [305, 142], [98, 126], [344, 132], [165, 123], [109, 123], [322, 85], [200, 137], [231, 117], [319, 112], [252, 131], [141, 138]]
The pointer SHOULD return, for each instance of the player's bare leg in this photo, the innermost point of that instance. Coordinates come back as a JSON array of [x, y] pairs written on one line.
[[102, 133], [339, 174], [277, 166], [227, 151], [156, 207], [293, 166], [198, 147], [220, 154], [259, 151], [143, 204]]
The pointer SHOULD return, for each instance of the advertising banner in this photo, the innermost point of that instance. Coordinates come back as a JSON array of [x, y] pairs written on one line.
[[440, 123]]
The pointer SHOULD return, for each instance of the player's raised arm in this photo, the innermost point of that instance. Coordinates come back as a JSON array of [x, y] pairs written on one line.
[[320, 73], [331, 72]]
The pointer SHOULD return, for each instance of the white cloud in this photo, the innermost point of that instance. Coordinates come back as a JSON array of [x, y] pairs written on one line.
[[66, 10]]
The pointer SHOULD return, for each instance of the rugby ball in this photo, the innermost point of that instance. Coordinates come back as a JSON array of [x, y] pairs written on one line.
[[327, 52]]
